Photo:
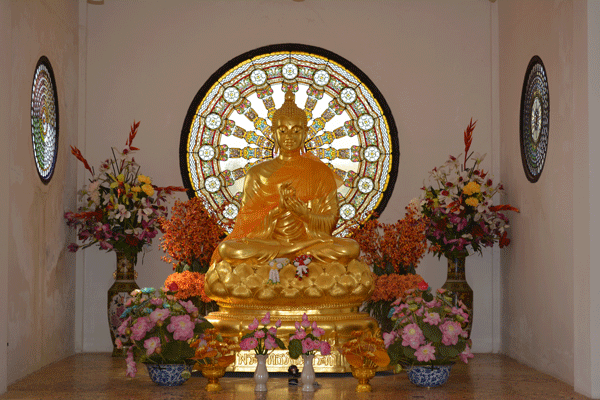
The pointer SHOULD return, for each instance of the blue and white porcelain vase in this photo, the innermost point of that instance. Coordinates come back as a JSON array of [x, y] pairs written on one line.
[[169, 374], [428, 376]]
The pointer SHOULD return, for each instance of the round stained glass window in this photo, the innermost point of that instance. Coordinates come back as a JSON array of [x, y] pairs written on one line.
[[44, 119], [535, 119], [227, 129]]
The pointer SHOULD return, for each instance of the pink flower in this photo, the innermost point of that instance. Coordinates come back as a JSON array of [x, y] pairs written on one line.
[[425, 353], [465, 355], [189, 306], [267, 319], [412, 336], [308, 345], [450, 331], [118, 343], [151, 345], [156, 302], [131, 367], [432, 318], [278, 323], [139, 329], [325, 348], [272, 331], [259, 334], [160, 314], [248, 343], [270, 343], [121, 329], [305, 323], [389, 338], [316, 331], [300, 334], [253, 325], [182, 327]]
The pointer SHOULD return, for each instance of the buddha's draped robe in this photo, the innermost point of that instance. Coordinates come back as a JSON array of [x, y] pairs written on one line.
[[261, 235]]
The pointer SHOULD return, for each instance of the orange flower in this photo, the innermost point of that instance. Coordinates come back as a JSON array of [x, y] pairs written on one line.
[[365, 350], [402, 244], [189, 284], [392, 286], [191, 234]]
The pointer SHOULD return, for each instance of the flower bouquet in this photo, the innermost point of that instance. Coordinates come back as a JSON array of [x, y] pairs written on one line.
[[393, 251], [263, 341], [188, 285], [365, 352], [305, 342], [120, 208], [461, 217], [428, 330], [159, 329], [213, 354]]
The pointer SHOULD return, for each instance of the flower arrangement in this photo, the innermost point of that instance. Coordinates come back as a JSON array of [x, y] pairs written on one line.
[[428, 329], [301, 263], [188, 285], [393, 248], [214, 349], [190, 236], [393, 251], [262, 340], [365, 350], [461, 217], [306, 339], [159, 328], [121, 208]]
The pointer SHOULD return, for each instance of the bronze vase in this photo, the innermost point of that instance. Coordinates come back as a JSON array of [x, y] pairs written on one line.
[[456, 282], [118, 294]]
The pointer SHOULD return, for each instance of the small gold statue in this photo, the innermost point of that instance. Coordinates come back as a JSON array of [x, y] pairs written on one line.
[[288, 212]]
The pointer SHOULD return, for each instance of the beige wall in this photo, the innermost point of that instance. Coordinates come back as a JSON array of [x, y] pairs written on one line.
[[40, 274], [432, 61], [549, 313]]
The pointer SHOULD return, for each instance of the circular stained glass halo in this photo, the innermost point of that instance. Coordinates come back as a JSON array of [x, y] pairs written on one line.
[[227, 129], [534, 119], [44, 119]]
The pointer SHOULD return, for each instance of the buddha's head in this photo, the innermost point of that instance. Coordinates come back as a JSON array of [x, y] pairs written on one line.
[[289, 125]]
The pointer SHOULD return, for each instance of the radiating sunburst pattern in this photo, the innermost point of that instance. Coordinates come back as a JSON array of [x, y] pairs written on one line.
[[350, 128]]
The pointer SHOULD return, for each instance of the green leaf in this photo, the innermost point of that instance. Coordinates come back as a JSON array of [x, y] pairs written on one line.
[[432, 333], [202, 326], [176, 351], [395, 352], [280, 343], [448, 351], [295, 348], [408, 351]]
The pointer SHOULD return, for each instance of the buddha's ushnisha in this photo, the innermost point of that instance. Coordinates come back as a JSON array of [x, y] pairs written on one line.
[[289, 204]]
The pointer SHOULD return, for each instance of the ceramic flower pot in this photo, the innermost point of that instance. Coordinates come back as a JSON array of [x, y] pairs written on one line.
[[456, 282], [213, 373], [118, 294], [428, 376], [261, 375], [308, 373], [363, 375], [169, 374]]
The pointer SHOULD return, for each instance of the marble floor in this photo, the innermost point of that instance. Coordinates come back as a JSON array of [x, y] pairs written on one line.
[[99, 376]]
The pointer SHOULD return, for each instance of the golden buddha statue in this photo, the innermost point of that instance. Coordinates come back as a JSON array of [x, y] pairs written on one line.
[[289, 203], [288, 211]]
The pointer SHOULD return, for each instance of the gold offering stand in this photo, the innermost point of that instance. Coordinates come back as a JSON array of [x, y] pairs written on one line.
[[331, 296]]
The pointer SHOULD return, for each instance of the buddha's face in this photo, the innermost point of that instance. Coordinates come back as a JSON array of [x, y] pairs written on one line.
[[290, 133]]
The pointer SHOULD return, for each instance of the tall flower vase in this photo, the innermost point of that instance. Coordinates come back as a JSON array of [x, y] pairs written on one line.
[[308, 373], [456, 282], [118, 294], [261, 375]]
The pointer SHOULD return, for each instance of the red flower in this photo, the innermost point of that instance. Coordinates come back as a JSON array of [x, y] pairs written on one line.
[[173, 287], [423, 285]]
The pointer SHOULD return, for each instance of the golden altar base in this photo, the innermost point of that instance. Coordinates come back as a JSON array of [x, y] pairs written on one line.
[[338, 323]]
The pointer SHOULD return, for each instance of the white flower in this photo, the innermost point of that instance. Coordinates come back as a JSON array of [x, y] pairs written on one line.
[[122, 212], [274, 275]]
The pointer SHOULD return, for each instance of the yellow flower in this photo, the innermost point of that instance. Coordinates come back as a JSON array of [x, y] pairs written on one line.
[[144, 179], [470, 188], [136, 189], [148, 189], [472, 201], [121, 178]]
